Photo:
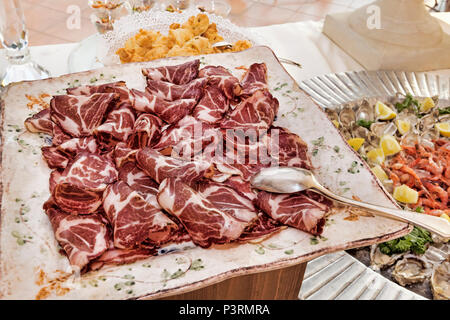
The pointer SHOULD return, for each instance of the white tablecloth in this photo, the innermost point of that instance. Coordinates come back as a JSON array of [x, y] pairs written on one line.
[[300, 41]]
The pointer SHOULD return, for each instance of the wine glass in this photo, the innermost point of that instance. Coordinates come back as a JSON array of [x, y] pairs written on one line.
[[14, 37]]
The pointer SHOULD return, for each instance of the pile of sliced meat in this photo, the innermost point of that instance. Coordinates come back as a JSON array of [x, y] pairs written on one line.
[[135, 170]]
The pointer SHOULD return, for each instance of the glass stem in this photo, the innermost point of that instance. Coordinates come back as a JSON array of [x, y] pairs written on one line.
[[18, 56]]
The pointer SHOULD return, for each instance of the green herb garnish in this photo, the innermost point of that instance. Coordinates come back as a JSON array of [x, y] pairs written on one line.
[[415, 241], [444, 111], [419, 209], [364, 123], [408, 103]]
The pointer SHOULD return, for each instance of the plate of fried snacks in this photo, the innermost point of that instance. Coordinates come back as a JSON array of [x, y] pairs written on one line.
[[152, 35]]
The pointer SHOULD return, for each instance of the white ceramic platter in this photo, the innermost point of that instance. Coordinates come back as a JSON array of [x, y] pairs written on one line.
[[30, 262]]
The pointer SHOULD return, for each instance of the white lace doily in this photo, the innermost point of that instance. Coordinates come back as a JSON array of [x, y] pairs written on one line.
[[158, 20]]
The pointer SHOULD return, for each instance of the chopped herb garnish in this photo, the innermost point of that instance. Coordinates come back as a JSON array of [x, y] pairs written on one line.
[[315, 151], [420, 209], [289, 251], [408, 103], [313, 241], [445, 110], [364, 123], [342, 183], [339, 170], [336, 149]]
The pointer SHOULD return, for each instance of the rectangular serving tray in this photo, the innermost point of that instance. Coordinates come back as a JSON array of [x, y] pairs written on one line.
[[31, 263]]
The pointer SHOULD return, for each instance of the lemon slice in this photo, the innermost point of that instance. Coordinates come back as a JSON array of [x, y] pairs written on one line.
[[426, 105], [376, 155], [384, 112], [444, 128], [445, 216], [405, 194], [379, 173], [403, 126], [389, 145], [336, 123], [356, 143]]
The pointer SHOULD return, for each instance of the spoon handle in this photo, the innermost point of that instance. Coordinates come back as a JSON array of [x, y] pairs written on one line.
[[437, 225]]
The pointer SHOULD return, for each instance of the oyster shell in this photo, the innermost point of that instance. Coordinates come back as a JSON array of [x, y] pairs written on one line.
[[444, 118], [440, 281], [435, 254], [347, 116], [365, 111], [428, 121], [332, 114], [411, 269], [379, 260], [381, 128]]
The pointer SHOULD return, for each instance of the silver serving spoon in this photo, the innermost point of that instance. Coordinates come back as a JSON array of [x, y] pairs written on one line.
[[290, 180]]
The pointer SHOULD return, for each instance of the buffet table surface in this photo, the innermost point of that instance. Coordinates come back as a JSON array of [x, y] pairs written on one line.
[[302, 42]]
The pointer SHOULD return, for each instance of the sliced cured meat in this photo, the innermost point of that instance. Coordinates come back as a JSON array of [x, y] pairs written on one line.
[[261, 229], [304, 210], [212, 106], [137, 179], [291, 151], [78, 116], [241, 186], [83, 238], [124, 154], [59, 136], [91, 172], [222, 79], [55, 178], [228, 200], [178, 74], [246, 146], [188, 139], [54, 158], [40, 122], [171, 92], [119, 88], [74, 146], [202, 220], [257, 111], [254, 79], [79, 188], [133, 218], [159, 167], [146, 131], [118, 125], [169, 111], [115, 256], [76, 200]]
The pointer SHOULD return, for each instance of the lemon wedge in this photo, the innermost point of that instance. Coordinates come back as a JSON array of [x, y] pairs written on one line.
[[445, 216], [379, 173], [376, 155], [356, 143], [426, 105], [403, 126], [336, 123], [383, 112], [444, 128], [405, 194], [389, 145]]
